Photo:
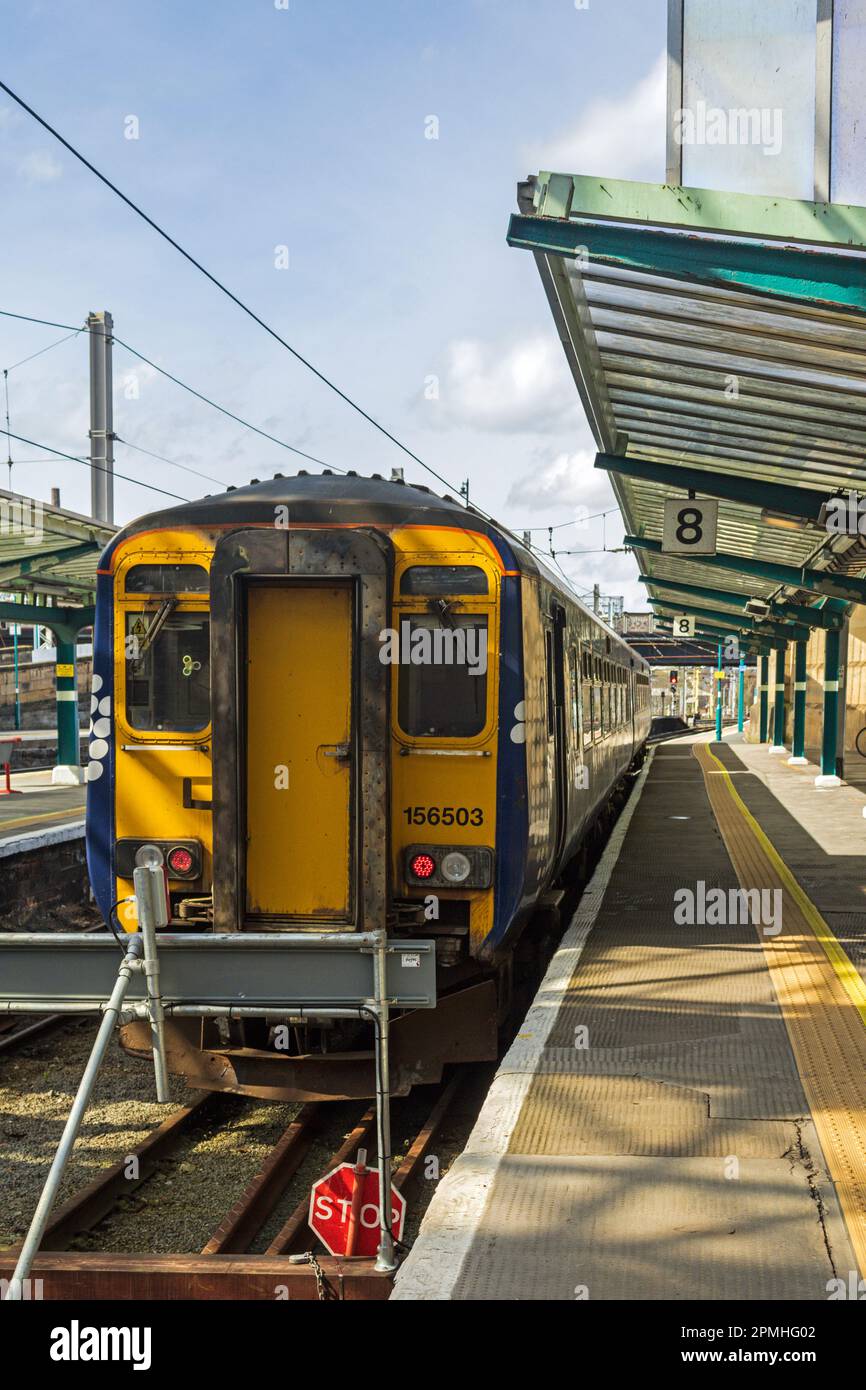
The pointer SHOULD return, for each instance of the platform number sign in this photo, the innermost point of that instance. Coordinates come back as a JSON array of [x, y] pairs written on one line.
[[684, 625], [690, 526]]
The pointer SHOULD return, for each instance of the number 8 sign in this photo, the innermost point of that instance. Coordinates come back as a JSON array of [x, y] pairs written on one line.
[[690, 526]]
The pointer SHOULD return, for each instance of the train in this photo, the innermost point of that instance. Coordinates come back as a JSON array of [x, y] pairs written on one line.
[[333, 701]]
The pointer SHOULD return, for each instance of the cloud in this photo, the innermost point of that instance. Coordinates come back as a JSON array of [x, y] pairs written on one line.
[[526, 386], [40, 167], [624, 138], [565, 480], [614, 574]]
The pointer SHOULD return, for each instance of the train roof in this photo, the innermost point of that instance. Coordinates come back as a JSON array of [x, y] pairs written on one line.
[[346, 497]]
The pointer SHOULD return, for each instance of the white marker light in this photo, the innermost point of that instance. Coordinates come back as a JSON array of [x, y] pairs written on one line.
[[147, 856], [455, 867]]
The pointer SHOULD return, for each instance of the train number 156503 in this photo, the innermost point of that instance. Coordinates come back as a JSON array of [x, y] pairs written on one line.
[[443, 815]]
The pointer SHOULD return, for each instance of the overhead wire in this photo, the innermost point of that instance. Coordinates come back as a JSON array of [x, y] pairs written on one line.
[[223, 288], [89, 463], [170, 376]]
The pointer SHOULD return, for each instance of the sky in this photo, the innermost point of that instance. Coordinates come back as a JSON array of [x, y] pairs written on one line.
[[286, 144]]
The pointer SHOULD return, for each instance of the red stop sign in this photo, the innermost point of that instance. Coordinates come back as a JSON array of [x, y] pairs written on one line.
[[340, 1219]]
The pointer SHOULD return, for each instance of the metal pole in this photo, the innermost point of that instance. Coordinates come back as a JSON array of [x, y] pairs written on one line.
[[101, 417], [719, 677], [828, 776], [149, 884], [778, 744], [763, 705], [385, 1258], [34, 1235], [15, 630], [741, 695], [798, 749]]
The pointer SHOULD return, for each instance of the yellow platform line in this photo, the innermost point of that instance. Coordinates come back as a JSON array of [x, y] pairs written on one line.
[[40, 815], [820, 994]]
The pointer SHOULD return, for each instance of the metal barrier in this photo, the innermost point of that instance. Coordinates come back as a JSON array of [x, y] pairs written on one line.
[[277, 975]]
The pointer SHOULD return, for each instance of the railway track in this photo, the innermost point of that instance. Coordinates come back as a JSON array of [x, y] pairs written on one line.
[[16, 1031], [292, 1266]]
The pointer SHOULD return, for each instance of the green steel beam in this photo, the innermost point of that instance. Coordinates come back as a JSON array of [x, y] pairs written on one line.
[[780, 631], [777, 497], [64, 622], [780, 272], [706, 630], [704, 209], [746, 645], [45, 559], [843, 586], [798, 612]]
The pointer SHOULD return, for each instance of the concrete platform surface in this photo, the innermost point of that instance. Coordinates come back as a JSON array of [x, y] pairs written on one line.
[[40, 806], [648, 1135]]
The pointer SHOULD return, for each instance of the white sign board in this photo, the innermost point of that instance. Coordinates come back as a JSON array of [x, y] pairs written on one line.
[[766, 97], [747, 122], [690, 526], [684, 625]]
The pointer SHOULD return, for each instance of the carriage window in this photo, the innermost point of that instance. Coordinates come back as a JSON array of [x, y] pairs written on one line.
[[574, 673], [587, 699], [444, 695], [444, 579], [597, 693], [167, 579], [168, 674]]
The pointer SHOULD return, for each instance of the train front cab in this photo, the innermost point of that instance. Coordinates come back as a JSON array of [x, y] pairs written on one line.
[[320, 786]]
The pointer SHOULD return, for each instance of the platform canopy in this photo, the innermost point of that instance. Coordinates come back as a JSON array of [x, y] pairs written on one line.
[[45, 550], [718, 344]]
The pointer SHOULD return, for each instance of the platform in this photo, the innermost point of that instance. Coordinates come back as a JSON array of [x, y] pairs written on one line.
[[40, 808], [683, 1112]]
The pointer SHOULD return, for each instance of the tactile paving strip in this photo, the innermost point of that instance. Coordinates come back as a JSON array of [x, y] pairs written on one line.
[[691, 1005], [821, 996]]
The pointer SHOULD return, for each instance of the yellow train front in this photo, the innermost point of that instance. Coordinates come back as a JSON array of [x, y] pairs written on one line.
[[337, 702]]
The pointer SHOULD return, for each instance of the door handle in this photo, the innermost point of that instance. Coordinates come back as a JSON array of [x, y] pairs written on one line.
[[342, 751]]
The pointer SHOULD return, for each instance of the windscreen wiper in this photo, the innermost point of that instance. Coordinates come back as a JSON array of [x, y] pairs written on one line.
[[163, 612]]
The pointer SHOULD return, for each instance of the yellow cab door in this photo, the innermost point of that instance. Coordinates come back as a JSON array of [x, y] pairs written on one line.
[[299, 829]]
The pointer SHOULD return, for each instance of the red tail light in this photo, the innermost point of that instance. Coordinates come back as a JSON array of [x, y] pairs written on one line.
[[422, 866], [179, 861]]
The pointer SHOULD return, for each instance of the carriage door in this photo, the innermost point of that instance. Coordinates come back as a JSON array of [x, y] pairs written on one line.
[[299, 832]]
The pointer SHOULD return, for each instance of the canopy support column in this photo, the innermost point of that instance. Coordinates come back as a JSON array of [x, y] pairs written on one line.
[[778, 744], [68, 769], [763, 705], [798, 745], [827, 776]]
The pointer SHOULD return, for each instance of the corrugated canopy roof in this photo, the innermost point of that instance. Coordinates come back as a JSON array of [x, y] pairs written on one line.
[[722, 336], [47, 550]]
